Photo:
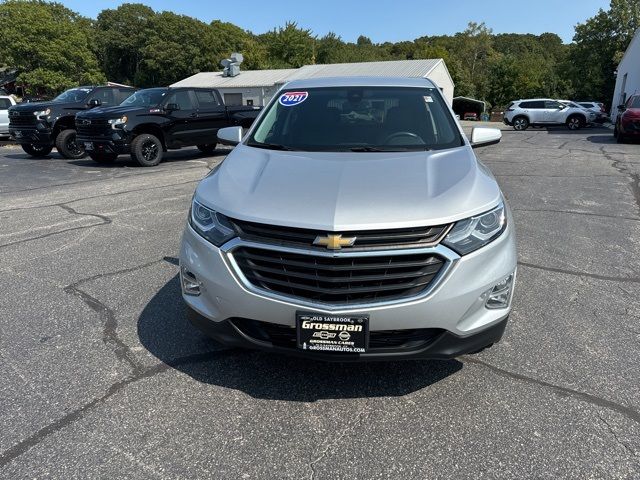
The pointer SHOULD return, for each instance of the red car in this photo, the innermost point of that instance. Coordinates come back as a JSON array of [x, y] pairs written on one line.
[[470, 116], [628, 121]]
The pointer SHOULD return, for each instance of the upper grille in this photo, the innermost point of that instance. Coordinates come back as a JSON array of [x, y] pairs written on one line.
[[92, 127], [338, 280], [22, 119], [366, 239]]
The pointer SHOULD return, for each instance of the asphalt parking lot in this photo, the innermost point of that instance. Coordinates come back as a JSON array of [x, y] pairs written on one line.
[[102, 376]]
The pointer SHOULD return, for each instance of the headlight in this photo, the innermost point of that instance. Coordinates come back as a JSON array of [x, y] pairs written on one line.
[[211, 225], [118, 122], [42, 113], [473, 233]]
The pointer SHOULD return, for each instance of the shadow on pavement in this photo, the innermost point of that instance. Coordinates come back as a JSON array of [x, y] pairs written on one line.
[[165, 332]]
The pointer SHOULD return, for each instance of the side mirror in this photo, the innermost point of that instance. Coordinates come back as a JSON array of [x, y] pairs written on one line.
[[483, 137], [562, 107], [94, 102], [230, 136], [621, 108], [170, 107]]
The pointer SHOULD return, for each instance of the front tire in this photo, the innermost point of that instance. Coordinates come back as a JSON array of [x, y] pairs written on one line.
[[520, 124], [209, 148], [103, 158], [575, 122], [37, 151], [67, 146], [146, 150]]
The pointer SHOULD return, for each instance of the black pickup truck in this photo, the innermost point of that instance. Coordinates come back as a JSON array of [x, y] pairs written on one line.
[[154, 120], [40, 126]]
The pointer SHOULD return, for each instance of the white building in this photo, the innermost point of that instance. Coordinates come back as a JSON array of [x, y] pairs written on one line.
[[628, 76], [256, 87]]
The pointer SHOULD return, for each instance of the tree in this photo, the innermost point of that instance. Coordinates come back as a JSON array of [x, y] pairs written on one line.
[[289, 46], [599, 44], [122, 34], [49, 44]]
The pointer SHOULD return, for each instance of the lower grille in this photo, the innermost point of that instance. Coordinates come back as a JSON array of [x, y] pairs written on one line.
[[339, 280], [285, 336]]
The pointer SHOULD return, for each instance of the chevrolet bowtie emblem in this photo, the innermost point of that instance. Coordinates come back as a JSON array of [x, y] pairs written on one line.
[[334, 242]]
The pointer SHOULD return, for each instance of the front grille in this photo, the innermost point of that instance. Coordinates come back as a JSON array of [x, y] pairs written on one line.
[[339, 280], [94, 127], [23, 119], [285, 336], [366, 239]]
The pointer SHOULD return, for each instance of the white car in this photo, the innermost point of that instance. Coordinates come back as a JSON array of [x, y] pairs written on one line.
[[5, 103], [522, 114]]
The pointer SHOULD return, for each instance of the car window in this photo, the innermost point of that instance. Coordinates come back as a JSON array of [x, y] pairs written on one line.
[[122, 94], [550, 104], [206, 99], [5, 103], [105, 95], [75, 95], [532, 104], [150, 97], [347, 118], [183, 99], [587, 105], [634, 102]]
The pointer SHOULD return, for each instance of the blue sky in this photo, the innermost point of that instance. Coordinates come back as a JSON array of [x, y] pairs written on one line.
[[381, 20]]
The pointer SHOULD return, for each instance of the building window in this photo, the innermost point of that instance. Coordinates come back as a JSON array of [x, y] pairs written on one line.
[[233, 99]]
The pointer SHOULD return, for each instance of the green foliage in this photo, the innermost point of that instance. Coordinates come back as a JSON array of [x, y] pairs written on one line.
[[49, 44], [289, 46]]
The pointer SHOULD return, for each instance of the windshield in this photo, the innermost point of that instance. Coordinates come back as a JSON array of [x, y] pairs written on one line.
[[368, 119], [151, 97], [634, 103], [75, 95]]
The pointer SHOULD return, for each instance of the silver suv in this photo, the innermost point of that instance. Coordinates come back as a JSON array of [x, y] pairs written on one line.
[[352, 222], [522, 114]]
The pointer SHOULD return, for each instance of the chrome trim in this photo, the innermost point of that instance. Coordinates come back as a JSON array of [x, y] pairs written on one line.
[[227, 254]]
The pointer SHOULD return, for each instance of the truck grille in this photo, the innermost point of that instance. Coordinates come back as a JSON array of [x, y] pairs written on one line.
[[22, 119], [367, 239], [338, 280], [94, 127]]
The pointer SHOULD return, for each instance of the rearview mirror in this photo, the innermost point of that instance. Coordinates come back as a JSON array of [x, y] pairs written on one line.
[[230, 135], [170, 107], [94, 102], [482, 136]]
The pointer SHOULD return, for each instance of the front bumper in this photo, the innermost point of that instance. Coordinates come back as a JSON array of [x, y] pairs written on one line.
[[117, 141], [31, 136], [454, 309]]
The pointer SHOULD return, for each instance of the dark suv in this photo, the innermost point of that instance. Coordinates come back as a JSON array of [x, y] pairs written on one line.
[[154, 120], [38, 127]]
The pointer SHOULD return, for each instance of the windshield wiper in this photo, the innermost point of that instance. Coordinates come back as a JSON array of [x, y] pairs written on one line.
[[390, 149], [271, 146]]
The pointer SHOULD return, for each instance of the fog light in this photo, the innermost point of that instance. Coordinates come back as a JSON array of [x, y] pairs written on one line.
[[500, 294], [190, 284]]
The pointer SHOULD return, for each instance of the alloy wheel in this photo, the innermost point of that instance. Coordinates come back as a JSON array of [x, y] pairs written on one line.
[[150, 150]]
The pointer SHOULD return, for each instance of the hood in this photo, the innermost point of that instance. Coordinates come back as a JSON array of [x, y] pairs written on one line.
[[113, 112], [35, 106], [350, 191]]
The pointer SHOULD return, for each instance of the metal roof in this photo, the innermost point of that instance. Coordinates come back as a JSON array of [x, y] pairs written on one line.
[[368, 81], [247, 78], [269, 78], [391, 68]]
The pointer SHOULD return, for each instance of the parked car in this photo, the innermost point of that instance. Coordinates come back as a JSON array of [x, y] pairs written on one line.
[[471, 116], [522, 114], [6, 101], [598, 108], [352, 222], [155, 120], [40, 126], [627, 124]]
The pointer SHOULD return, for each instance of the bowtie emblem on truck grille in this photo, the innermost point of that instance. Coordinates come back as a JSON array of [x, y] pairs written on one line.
[[334, 242]]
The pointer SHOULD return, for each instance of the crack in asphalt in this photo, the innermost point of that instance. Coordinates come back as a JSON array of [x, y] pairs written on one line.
[[23, 446], [17, 209], [627, 412], [633, 177], [104, 220], [615, 436], [581, 274]]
